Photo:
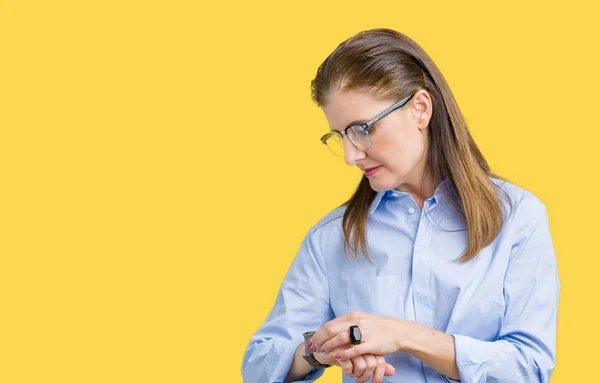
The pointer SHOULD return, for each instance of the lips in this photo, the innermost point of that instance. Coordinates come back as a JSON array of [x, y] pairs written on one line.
[[370, 171]]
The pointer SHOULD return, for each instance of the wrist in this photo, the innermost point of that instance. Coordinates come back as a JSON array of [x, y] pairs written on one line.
[[405, 336], [300, 355], [299, 368], [313, 359]]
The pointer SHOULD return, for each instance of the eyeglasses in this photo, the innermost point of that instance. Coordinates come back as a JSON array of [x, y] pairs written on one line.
[[358, 133]]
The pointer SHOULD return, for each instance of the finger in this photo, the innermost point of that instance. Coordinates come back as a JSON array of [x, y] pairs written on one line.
[[325, 359], [353, 352], [371, 362], [334, 327], [341, 339], [358, 366], [328, 331], [379, 370], [346, 366], [389, 370]]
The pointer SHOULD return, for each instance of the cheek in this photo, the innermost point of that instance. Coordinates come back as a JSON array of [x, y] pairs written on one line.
[[401, 150], [414, 148]]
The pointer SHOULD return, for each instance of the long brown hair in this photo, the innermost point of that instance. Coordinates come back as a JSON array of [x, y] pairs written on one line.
[[392, 66]]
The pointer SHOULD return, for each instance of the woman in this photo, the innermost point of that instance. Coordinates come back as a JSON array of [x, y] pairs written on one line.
[[435, 270]]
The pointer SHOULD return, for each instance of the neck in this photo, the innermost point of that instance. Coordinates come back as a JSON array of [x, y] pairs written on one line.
[[420, 189]]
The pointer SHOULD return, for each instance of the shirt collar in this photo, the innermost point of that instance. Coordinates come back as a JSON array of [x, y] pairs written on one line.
[[376, 201], [436, 195]]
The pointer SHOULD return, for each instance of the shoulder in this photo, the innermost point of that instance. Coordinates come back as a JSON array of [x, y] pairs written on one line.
[[329, 221], [520, 198], [327, 232], [522, 202]]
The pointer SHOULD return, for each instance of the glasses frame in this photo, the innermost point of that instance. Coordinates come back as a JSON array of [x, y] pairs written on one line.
[[366, 126]]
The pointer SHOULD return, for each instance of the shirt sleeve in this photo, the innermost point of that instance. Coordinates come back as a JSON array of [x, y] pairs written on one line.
[[302, 305], [526, 347]]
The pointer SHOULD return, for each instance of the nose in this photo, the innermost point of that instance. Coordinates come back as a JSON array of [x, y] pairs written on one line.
[[352, 154]]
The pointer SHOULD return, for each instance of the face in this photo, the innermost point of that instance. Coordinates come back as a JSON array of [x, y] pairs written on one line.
[[397, 156]]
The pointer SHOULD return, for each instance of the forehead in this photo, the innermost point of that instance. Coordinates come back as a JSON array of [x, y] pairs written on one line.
[[346, 107]]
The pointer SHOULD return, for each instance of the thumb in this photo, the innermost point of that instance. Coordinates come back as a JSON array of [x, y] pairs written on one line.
[[389, 370]]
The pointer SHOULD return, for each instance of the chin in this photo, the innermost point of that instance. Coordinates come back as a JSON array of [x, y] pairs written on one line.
[[380, 184]]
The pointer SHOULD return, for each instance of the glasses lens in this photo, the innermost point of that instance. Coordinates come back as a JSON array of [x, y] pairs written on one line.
[[335, 143], [359, 137]]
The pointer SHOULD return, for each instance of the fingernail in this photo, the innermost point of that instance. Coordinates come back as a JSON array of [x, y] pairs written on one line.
[[309, 344], [337, 356], [322, 350]]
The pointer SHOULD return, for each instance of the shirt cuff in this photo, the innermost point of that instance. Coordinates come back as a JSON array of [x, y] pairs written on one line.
[[468, 359]]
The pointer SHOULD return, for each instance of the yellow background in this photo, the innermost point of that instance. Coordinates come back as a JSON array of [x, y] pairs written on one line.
[[160, 164]]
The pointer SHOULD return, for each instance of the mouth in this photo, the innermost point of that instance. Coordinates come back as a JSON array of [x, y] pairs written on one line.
[[370, 171]]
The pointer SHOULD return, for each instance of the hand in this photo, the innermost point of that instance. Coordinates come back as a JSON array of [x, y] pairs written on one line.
[[362, 367], [381, 335]]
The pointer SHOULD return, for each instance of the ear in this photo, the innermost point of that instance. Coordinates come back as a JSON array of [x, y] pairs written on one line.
[[422, 108]]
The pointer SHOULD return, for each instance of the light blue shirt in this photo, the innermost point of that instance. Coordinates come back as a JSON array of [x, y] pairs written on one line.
[[501, 307]]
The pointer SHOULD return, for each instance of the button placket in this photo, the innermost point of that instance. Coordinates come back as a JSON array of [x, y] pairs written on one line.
[[421, 275]]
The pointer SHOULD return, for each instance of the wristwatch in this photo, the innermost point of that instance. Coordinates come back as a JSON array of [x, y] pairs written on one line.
[[308, 353]]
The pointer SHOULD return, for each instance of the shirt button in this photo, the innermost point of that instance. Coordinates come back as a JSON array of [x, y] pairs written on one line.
[[411, 210]]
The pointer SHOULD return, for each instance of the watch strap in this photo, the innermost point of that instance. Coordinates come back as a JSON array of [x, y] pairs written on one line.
[[308, 352]]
